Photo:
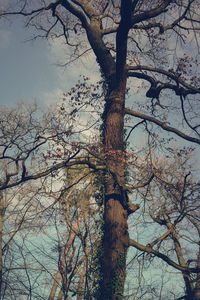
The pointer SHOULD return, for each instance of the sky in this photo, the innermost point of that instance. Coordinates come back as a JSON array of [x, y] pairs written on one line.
[[29, 70]]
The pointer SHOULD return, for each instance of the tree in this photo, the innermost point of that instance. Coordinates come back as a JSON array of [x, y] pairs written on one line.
[[171, 202], [19, 142], [130, 39], [28, 140], [79, 219]]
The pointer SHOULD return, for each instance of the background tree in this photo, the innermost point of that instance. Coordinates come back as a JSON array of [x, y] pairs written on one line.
[[171, 203], [40, 203]]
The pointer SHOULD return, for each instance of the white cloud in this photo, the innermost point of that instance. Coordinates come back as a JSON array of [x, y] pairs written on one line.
[[60, 53], [5, 38], [52, 96]]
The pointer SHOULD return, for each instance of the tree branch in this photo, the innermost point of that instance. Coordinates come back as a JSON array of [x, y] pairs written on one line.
[[151, 13], [163, 125], [164, 257], [190, 89], [64, 164], [163, 28], [122, 37]]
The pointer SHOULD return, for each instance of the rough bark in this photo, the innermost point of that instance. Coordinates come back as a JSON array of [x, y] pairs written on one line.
[[2, 213], [115, 238], [197, 286]]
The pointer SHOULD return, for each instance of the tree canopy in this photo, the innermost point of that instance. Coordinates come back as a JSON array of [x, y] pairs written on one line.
[[146, 109]]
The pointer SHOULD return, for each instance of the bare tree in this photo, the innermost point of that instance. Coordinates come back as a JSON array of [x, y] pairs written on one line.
[[171, 202], [33, 205], [140, 40]]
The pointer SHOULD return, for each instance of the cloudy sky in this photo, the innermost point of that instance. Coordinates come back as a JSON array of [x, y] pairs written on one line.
[[28, 69]]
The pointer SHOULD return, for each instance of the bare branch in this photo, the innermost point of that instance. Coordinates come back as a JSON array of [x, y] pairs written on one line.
[[161, 124], [164, 257]]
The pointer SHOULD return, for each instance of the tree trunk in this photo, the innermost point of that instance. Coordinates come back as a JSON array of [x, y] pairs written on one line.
[[80, 294], [197, 286], [2, 213], [58, 276], [115, 236]]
